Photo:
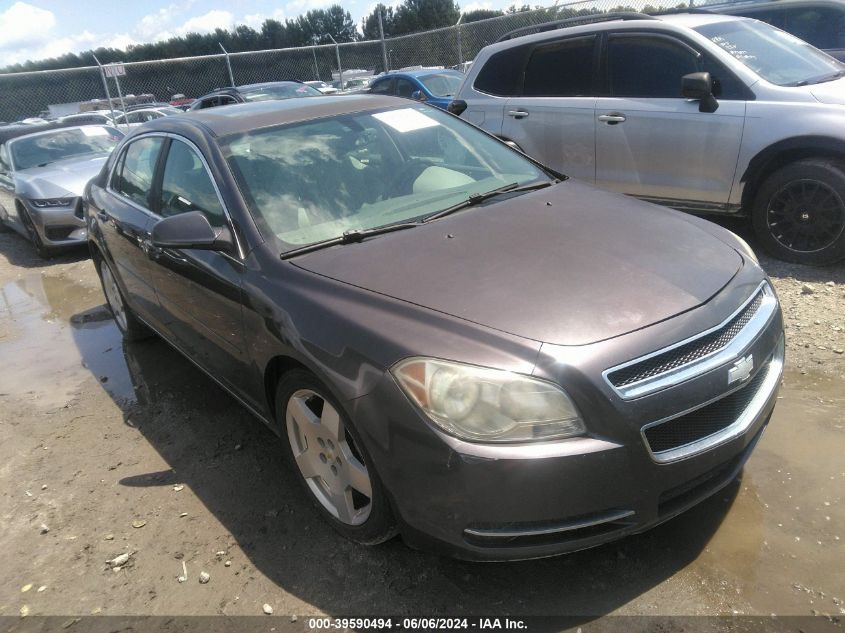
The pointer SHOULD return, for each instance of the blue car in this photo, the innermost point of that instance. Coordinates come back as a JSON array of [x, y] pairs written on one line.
[[435, 86]]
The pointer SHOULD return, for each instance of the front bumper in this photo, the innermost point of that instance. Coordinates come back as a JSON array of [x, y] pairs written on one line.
[[483, 502], [59, 226]]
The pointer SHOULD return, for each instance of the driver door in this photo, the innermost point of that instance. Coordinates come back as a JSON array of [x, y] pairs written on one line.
[[653, 143], [199, 291]]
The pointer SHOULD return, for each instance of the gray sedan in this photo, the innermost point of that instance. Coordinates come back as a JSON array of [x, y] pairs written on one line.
[[454, 342], [42, 176]]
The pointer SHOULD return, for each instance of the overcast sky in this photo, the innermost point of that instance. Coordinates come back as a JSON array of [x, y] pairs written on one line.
[[36, 29]]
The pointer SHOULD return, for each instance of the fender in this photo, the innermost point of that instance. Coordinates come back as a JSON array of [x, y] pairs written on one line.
[[782, 153]]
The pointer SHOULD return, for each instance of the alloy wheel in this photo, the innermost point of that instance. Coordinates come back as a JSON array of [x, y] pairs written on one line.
[[806, 216], [327, 457]]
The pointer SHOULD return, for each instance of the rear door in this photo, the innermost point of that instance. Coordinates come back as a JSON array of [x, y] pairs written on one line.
[[553, 118], [199, 291], [125, 218], [651, 141]]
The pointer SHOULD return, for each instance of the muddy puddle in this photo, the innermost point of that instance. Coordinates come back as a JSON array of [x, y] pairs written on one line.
[[772, 543]]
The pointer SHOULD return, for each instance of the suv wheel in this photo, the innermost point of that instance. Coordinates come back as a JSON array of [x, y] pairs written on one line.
[[326, 453], [799, 212], [129, 325]]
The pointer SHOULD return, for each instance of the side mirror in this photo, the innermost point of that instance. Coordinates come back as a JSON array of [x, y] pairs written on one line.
[[418, 95], [699, 86], [191, 230]]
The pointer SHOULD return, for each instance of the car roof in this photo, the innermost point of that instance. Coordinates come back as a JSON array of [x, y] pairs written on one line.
[[245, 117], [667, 21], [18, 131]]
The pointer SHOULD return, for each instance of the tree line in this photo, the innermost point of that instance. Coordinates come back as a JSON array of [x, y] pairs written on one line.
[[317, 26]]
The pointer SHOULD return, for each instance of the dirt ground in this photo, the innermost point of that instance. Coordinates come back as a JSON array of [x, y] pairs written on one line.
[[109, 448]]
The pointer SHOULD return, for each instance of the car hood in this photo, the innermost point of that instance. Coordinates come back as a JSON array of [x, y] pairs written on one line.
[[568, 265], [830, 92], [60, 179]]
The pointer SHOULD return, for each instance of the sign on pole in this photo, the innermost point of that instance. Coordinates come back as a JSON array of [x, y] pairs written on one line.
[[115, 70]]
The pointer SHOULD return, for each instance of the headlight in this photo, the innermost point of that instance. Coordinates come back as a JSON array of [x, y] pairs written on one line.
[[488, 405], [46, 203]]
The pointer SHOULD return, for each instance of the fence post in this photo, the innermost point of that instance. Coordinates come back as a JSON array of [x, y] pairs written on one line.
[[105, 85], [228, 64], [383, 45], [339, 67], [460, 49], [314, 53]]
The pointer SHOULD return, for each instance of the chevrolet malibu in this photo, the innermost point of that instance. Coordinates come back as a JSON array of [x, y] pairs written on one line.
[[454, 342]]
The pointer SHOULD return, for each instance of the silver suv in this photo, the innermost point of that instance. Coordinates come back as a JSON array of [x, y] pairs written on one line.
[[701, 112]]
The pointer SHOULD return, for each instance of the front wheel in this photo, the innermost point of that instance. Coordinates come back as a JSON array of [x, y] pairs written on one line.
[[129, 325], [799, 212], [330, 460]]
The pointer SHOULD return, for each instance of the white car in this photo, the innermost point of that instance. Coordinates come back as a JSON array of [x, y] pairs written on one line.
[[136, 117], [701, 112], [323, 87]]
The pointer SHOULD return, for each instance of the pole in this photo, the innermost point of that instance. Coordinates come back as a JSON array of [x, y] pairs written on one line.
[[120, 95], [383, 45], [105, 85], [228, 64], [460, 49], [314, 52], [339, 67]]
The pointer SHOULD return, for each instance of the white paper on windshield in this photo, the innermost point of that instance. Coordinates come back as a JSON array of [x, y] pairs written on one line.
[[406, 120], [89, 130]]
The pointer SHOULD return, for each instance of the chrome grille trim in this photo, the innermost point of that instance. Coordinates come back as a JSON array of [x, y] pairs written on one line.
[[773, 371], [725, 354]]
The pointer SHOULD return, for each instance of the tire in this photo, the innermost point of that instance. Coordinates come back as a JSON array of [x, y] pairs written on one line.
[[43, 251], [129, 325], [330, 462], [799, 212]]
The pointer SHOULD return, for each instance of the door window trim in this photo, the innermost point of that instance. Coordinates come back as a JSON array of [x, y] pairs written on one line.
[[604, 79], [157, 174]]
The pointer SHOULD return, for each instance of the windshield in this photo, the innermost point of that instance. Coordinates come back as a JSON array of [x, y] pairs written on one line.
[[310, 182], [775, 55], [442, 85], [279, 91], [50, 147]]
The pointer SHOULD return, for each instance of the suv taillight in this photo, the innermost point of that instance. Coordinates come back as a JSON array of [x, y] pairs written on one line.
[[457, 106]]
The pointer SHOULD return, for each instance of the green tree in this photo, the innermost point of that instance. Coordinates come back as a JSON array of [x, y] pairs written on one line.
[[480, 14], [422, 15]]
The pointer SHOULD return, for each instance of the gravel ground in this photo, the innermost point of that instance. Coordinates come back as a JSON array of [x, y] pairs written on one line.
[[114, 449]]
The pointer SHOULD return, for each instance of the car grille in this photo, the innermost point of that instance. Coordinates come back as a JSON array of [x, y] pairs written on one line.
[[688, 352], [706, 421]]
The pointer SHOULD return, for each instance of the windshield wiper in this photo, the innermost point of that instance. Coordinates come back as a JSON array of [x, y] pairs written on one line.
[[478, 198], [820, 80], [349, 237]]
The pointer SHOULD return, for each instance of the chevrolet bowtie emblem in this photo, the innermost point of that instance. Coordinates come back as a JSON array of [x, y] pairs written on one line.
[[741, 369]]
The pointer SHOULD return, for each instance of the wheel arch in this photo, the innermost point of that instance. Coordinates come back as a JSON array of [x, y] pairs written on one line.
[[277, 367], [782, 153]]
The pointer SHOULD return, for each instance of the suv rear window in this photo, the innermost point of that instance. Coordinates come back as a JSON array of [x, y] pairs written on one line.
[[561, 69]]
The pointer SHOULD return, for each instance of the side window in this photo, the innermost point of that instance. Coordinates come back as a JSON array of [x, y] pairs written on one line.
[[209, 103], [383, 87], [823, 27], [725, 83], [133, 176], [562, 69], [502, 74], [226, 100], [642, 66], [404, 88], [186, 186]]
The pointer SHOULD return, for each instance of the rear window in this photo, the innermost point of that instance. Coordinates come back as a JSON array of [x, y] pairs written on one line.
[[561, 69], [501, 75]]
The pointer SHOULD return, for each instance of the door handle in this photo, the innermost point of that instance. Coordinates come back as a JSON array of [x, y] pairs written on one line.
[[103, 215], [517, 114], [612, 119]]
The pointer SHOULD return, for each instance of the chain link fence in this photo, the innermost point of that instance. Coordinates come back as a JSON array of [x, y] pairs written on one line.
[[54, 93]]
